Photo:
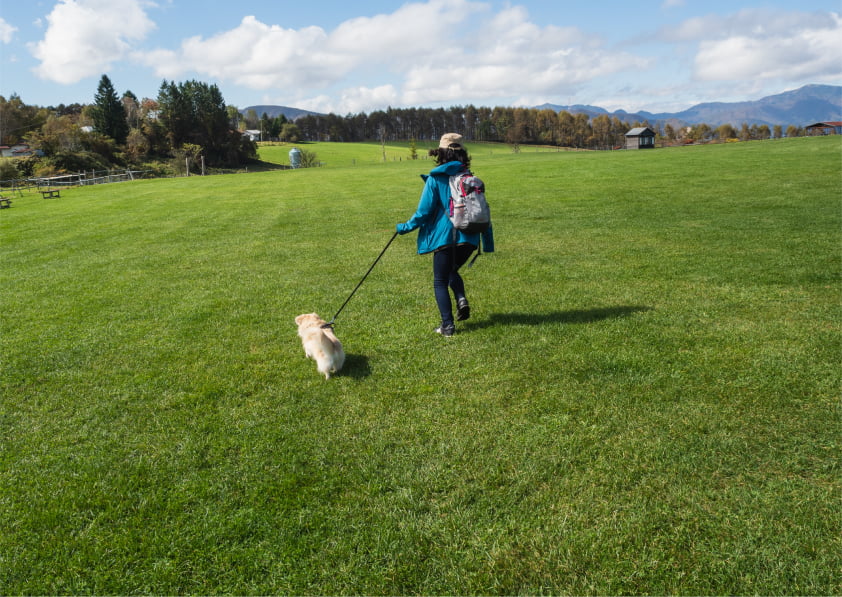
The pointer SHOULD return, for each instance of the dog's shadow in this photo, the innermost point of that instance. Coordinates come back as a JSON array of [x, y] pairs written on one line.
[[574, 316], [356, 366]]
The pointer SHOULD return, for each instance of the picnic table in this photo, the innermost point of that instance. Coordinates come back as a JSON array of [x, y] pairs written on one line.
[[49, 193], [5, 202]]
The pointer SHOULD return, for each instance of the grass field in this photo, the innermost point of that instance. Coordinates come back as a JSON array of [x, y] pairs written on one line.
[[645, 400], [366, 154]]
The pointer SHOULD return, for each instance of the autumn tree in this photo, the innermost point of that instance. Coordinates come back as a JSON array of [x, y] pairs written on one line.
[[18, 119], [289, 133], [132, 107], [520, 129], [601, 127], [581, 129], [725, 132], [471, 121], [566, 128], [59, 133], [137, 145], [700, 132], [546, 123]]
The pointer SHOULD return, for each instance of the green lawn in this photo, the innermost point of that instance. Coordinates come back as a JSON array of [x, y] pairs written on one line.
[[645, 400], [360, 154]]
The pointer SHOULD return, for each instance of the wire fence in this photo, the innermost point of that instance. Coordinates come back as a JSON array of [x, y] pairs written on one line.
[[78, 179]]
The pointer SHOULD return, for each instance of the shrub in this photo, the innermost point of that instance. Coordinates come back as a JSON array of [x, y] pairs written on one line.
[[8, 169], [309, 158], [75, 161], [26, 166]]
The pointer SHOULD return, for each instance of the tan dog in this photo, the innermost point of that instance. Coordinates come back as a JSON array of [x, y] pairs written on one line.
[[320, 343]]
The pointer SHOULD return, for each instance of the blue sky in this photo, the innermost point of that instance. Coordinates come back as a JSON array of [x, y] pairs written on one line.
[[349, 57]]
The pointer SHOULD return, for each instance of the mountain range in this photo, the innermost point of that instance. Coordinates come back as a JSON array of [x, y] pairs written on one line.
[[803, 106], [275, 111]]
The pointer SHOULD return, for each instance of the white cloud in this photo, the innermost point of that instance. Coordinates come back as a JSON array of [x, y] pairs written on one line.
[[439, 50], [412, 32], [7, 31], [262, 56], [753, 22], [85, 37], [749, 53], [255, 55], [428, 52], [353, 100], [789, 47], [520, 58]]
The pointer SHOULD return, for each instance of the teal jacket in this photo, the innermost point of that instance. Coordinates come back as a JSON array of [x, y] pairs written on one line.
[[435, 230]]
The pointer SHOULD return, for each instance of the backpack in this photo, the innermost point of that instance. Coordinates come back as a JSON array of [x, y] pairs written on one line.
[[468, 209]]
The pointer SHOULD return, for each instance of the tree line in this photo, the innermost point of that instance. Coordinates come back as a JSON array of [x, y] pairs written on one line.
[[186, 122], [516, 126], [189, 121]]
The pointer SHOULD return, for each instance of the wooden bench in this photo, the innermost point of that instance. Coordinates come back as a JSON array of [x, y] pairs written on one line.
[[51, 193], [5, 202]]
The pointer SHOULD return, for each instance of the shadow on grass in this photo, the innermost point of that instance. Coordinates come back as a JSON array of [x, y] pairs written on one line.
[[261, 166], [572, 316], [356, 366]]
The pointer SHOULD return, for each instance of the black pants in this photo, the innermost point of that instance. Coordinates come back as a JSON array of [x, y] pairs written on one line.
[[446, 264]]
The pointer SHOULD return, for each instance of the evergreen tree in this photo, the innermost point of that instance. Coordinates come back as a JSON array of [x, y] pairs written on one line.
[[109, 114], [195, 113], [175, 113]]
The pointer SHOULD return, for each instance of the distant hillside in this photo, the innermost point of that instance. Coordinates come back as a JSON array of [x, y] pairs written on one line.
[[275, 111], [809, 104], [591, 111]]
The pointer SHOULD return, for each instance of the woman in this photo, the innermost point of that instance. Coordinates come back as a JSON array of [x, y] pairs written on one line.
[[435, 232]]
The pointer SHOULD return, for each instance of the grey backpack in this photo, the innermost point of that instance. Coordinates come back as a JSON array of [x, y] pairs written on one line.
[[468, 209]]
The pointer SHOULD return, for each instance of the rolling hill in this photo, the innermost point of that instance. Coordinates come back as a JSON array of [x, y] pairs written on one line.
[[275, 111]]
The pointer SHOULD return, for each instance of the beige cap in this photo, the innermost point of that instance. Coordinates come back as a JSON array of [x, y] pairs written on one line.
[[450, 139]]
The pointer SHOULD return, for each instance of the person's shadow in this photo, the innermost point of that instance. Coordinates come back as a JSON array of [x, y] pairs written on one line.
[[356, 366], [574, 316]]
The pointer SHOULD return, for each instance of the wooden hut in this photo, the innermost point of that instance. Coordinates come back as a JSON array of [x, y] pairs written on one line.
[[824, 128], [641, 137]]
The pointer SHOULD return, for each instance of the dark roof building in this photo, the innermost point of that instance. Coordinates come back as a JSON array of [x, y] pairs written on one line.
[[641, 137], [824, 128]]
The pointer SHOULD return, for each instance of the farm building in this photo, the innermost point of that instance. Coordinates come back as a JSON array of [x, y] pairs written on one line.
[[641, 137], [824, 128], [19, 150]]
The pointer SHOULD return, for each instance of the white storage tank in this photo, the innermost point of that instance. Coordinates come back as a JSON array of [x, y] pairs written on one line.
[[295, 157]]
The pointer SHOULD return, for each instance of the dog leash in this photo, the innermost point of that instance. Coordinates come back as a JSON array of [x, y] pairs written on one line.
[[330, 323]]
